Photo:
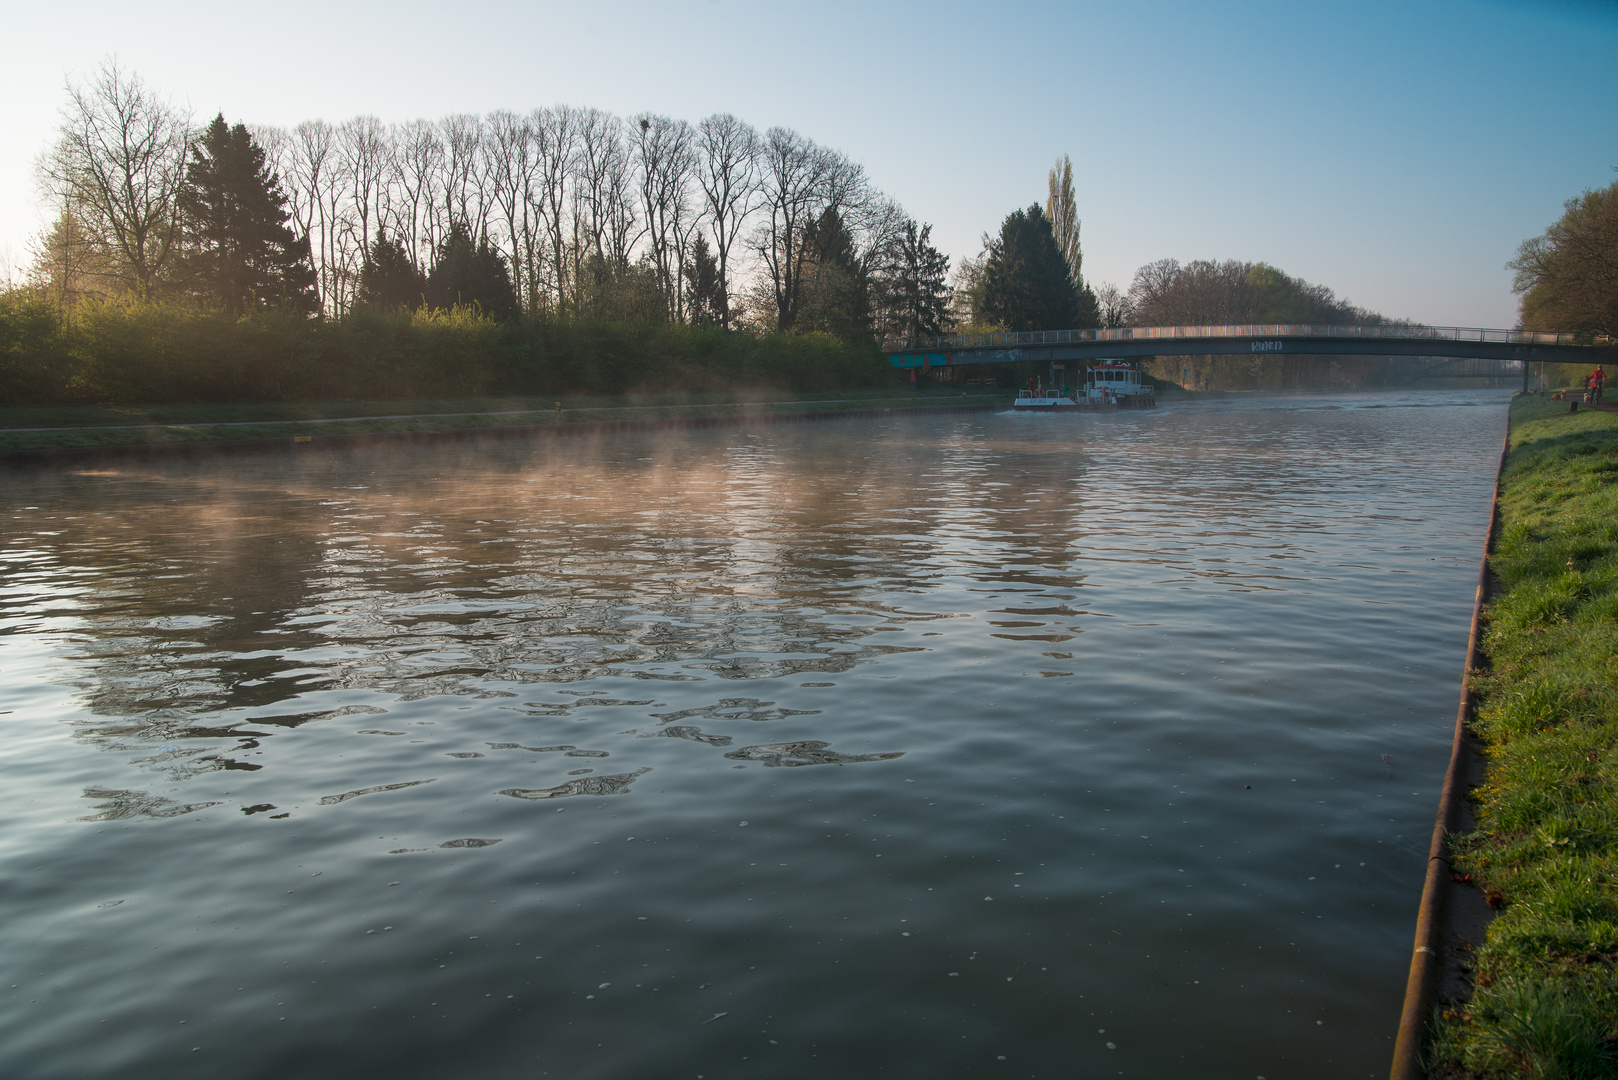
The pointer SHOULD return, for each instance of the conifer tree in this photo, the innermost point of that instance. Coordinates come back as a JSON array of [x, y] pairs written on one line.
[[465, 272], [388, 279], [240, 253], [915, 288], [1026, 283], [704, 292], [836, 297]]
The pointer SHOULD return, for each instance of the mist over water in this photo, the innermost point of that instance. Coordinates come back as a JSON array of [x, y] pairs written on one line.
[[928, 746]]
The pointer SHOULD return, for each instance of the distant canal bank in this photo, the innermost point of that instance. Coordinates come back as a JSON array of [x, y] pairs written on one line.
[[39, 433], [948, 745], [1544, 997]]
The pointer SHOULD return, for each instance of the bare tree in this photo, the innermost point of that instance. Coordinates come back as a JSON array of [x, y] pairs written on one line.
[[1114, 305], [364, 149], [462, 189], [879, 226], [276, 142], [117, 166], [333, 238], [599, 143], [664, 153], [318, 203], [418, 163], [513, 169], [845, 189], [554, 138], [1201, 292], [727, 172], [794, 174], [624, 225]]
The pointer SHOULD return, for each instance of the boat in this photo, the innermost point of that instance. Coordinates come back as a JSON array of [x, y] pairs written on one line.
[[1110, 384]]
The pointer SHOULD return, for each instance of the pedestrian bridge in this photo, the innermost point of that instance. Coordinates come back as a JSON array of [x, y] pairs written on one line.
[[1442, 349]]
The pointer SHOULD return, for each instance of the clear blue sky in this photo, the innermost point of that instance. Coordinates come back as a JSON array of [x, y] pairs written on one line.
[[1397, 152]]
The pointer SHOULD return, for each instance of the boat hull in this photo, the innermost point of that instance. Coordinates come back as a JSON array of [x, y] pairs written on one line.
[[1062, 405], [1040, 410]]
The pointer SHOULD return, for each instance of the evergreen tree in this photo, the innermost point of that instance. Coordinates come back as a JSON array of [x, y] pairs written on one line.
[[836, 297], [471, 273], [388, 279], [1026, 279], [240, 252], [915, 288], [704, 293]]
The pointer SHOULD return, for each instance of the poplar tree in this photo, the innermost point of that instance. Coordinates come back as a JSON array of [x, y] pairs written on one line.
[[239, 251], [1061, 207]]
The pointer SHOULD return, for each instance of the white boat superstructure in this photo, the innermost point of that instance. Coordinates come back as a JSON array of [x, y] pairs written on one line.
[[1117, 382]]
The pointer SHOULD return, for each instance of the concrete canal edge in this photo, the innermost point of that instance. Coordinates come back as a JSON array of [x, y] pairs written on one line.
[[1447, 911], [199, 447]]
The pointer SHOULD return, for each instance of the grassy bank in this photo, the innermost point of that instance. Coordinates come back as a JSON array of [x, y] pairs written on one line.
[[1545, 851], [60, 427]]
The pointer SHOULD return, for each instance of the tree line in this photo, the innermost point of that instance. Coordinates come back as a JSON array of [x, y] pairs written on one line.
[[570, 211], [561, 216], [561, 211]]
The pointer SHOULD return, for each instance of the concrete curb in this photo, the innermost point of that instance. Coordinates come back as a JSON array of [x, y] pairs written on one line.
[[1428, 963]]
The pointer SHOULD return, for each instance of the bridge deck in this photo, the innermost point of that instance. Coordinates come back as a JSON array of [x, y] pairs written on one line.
[[1138, 341]]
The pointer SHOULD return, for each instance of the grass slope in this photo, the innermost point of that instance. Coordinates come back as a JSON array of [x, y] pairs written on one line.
[[1546, 846]]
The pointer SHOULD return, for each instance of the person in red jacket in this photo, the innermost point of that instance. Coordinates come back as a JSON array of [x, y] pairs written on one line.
[[1597, 378]]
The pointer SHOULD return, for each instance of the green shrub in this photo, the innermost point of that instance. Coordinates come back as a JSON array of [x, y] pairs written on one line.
[[33, 364], [127, 352]]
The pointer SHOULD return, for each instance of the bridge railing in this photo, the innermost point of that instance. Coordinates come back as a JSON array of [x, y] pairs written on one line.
[[1277, 330]]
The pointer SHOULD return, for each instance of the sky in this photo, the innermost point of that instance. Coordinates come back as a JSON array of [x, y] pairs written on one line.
[[1395, 152]]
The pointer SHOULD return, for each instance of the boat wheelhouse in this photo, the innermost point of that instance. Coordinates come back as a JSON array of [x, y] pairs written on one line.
[[1117, 382]]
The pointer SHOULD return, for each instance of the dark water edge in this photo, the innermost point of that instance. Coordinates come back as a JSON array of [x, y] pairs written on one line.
[[937, 746]]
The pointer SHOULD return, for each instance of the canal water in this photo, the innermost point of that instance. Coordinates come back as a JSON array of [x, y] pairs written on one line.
[[959, 746]]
